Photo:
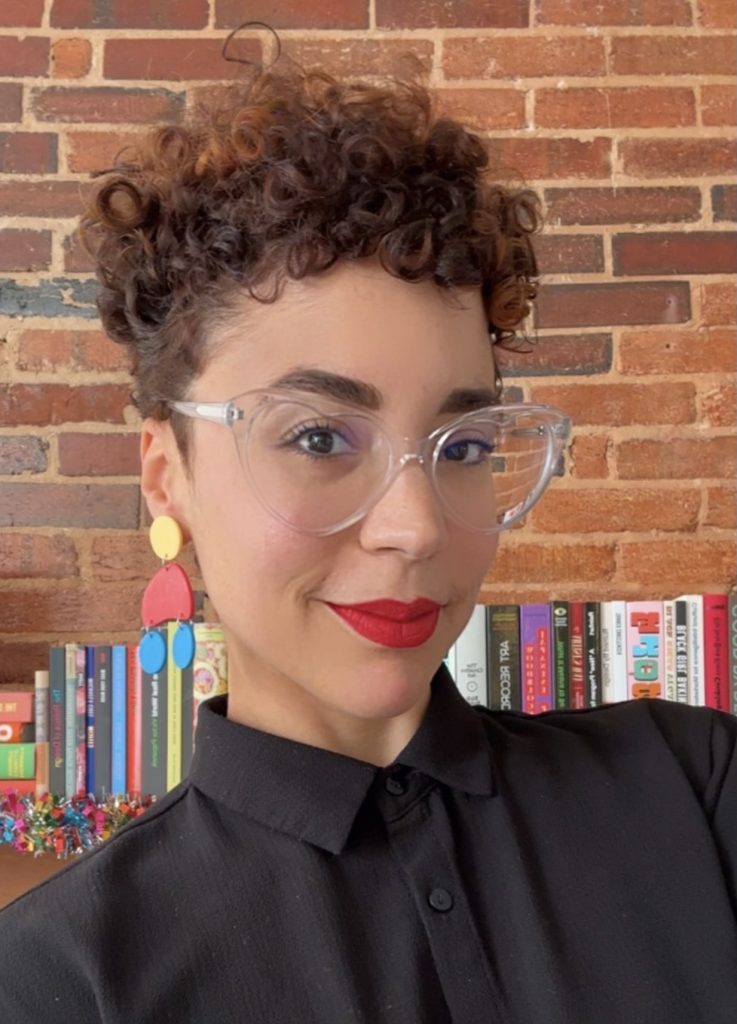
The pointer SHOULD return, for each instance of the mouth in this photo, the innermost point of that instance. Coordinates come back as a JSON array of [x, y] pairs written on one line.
[[404, 626]]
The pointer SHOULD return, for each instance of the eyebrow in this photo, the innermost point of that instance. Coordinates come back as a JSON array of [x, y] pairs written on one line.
[[360, 393]]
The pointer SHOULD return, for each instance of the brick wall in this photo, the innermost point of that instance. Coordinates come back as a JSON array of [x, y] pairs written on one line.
[[622, 115]]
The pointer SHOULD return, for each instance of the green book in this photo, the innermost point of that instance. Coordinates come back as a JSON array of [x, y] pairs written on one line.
[[17, 760]]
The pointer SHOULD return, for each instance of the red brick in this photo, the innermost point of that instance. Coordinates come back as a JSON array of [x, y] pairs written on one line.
[[671, 55], [719, 405], [621, 205], [535, 158], [547, 563], [677, 158], [682, 252], [11, 99], [588, 456], [614, 405], [20, 454], [678, 458], [614, 12], [353, 56], [128, 556], [483, 109], [633, 107], [99, 454], [452, 14], [677, 351], [28, 153], [724, 202], [21, 14], [163, 14], [76, 258], [612, 510], [174, 59], [721, 508], [601, 305], [718, 104], [554, 354], [100, 506], [569, 254], [27, 556], [100, 609], [24, 57], [97, 151], [42, 198], [294, 13], [719, 303], [44, 404], [511, 57], [23, 249], [685, 563], [71, 58], [44, 351], [107, 104], [715, 13]]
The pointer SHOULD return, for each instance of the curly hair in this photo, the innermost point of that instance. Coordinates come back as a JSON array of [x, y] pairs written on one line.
[[291, 172]]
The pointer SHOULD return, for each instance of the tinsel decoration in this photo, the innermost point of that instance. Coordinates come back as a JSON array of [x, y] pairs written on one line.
[[60, 825]]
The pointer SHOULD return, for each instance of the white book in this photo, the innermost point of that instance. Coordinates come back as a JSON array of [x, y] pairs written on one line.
[[618, 646], [471, 659], [669, 649], [606, 623], [695, 649]]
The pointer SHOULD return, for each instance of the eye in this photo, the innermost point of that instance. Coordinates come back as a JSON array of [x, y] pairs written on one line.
[[478, 448], [318, 441]]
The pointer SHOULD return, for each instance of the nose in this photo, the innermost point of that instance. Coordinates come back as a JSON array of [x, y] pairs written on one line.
[[408, 516]]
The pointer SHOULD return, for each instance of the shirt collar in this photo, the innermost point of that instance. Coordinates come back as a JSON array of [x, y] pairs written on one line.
[[314, 794]]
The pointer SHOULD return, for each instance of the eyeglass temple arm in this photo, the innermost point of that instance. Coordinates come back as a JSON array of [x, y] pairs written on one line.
[[217, 412]]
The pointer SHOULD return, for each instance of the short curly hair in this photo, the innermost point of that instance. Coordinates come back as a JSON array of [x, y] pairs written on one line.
[[292, 171]]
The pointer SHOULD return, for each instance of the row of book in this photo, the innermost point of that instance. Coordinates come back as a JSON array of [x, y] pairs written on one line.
[[98, 724], [579, 654]]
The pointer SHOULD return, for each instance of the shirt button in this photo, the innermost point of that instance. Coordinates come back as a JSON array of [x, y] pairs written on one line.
[[440, 899], [395, 786]]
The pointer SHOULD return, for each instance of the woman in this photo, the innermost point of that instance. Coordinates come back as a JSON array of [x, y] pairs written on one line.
[[311, 282]]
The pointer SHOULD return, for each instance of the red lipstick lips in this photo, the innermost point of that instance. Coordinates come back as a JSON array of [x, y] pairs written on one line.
[[392, 623]]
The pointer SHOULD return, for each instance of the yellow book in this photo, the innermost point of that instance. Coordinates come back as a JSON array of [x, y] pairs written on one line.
[[173, 714]]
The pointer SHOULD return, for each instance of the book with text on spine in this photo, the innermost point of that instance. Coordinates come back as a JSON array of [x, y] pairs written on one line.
[[645, 649], [471, 658]]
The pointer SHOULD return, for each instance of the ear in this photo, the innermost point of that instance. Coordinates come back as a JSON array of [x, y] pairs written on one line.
[[164, 483]]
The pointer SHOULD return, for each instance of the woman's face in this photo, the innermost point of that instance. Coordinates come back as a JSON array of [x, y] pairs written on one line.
[[270, 584]]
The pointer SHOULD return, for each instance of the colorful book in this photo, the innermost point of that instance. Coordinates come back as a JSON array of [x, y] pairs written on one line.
[[561, 654], [133, 723], [154, 727], [618, 615], [16, 706], [210, 668], [17, 732], [592, 655], [695, 606], [57, 720], [41, 721], [471, 658], [100, 655], [716, 652], [577, 671], [732, 645], [188, 717], [75, 744], [17, 761], [645, 649], [173, 713], [118, 705], [536, 658], [669, 650], [503, 656]]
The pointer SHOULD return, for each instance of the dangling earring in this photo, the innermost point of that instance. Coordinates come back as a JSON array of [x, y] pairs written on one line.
[[168, 596]]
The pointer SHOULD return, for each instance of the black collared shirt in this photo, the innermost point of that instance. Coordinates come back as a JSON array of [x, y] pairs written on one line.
[[577, 867]]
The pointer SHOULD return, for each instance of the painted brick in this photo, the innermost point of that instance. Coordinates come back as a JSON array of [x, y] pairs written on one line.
[[57, 296], [175, 60], [614, 405], [24, 250], [677, 351], [601, 305], [452, 14], [35, 556], [18, 455], [28, 153], [346, 14], [99, 454], [622, 205], [667, 55], [52, 404], [511, 57], [678, 458], [107, 104], [569, 354], [163, 14], [683, 252], [633, 107]]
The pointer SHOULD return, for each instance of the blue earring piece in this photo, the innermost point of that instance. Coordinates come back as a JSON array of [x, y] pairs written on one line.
[[184, 645], [152, 652]]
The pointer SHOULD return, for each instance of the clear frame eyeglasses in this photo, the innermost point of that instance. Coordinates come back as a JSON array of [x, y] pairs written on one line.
[[319, 465]]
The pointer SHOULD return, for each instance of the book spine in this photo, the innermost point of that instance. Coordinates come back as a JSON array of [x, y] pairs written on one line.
[[70, 704], [535, 633], [118, 708], [716, 652], [133, 723], [153, 729], [669, 650], [41, 714], [80, 721], [577, 671], [619, 650], [645, 648], [471, 658], [103, 722], [16, 706], [187, 743], [696, 694], [592, 656], [57, 720], [561, 654], [210, 663], [732, 627], [502, 655], [680, 629], [606, 681], [17, 732], [23, 787], [173, 713], [18, 761], [90, 736]]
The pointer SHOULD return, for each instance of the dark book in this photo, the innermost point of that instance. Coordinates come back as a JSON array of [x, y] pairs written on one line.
[[592, 654], [503, 657], [101, 660], [154, 727], [561, 654], [732, 648], [681, 644], [57, 718], [577, 673]]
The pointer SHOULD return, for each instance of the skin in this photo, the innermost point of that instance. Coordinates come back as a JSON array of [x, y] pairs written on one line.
[[295, 668]]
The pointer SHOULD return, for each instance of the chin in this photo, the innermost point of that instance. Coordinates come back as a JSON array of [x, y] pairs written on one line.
[[384, 693]]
